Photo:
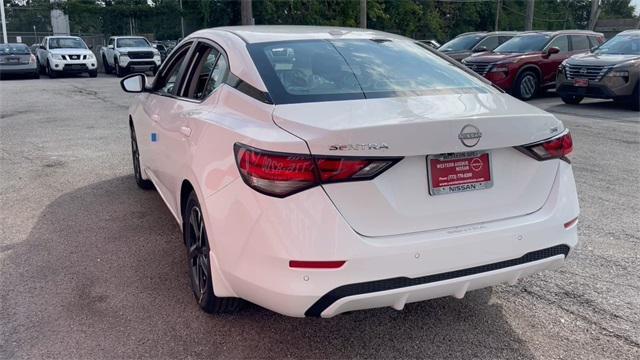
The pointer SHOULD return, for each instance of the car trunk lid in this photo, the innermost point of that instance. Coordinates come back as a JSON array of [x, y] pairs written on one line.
[[400, 200]]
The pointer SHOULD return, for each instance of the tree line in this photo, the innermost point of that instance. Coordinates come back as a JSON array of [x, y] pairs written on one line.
[[422, 19]]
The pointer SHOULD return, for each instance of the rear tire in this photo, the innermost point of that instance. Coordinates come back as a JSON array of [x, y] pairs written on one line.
[[635, 99], [572, 100], [195, 237], [137, 170], [526, 86]]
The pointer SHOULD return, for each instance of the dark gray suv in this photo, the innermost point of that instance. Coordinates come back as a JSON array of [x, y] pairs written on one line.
[[610, 71], [464, 45]]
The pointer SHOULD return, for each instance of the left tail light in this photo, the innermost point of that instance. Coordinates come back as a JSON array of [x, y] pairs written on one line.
[[282, 174], [558, 147]]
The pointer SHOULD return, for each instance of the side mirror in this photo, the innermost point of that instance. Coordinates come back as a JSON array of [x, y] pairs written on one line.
[[135, 83], [552, 50], [110, 47], [41, 47], [480, 49]]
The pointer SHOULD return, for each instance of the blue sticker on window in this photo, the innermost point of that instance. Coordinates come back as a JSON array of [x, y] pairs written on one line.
[[154, 137]]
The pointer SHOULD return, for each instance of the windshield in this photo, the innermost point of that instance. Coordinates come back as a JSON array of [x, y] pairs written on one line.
[[620, 45], [132, 42], [461, 43], [66, 43], [524, 44], [323, 70], [14, 49]]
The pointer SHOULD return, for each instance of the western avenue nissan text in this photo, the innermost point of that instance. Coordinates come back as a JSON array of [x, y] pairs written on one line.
[[319, 170]]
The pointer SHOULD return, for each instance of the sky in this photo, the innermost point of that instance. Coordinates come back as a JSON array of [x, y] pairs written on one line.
[[636, 3]]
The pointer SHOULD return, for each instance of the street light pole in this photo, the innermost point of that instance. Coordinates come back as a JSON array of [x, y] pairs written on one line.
[[528, 24], [181, 20], [4, 22], [35, 34], [498, 6], [363, 14]]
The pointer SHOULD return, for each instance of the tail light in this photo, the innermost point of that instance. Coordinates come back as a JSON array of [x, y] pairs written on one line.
[[559, 147], [283, 174], [32, 59]]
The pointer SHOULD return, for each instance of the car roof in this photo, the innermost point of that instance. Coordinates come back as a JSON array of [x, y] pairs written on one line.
[[128, 37], [13, 44], [561, 32], [268, 33], [63, 36]]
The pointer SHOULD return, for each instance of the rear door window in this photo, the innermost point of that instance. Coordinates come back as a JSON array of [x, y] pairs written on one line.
[[579, 42], [561, 42]]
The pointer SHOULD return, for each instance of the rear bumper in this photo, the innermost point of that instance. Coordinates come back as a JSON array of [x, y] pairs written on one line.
[[250, 255], [18, 69], [397, 292]]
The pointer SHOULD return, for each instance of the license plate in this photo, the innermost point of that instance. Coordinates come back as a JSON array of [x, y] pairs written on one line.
[[459, 172], [13, 60], [581, 82]]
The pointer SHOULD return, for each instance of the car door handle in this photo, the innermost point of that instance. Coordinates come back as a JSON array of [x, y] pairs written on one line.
[[185, 130]]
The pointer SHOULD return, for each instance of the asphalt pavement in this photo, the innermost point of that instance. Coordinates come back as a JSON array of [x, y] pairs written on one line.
[[91, 267]]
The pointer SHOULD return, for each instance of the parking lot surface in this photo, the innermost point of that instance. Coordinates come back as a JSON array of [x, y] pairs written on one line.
[[93, 267]]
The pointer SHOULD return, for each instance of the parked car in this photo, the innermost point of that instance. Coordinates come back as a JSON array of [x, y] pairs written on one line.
[[318, 170], [463, 45], [59, 55], [161, 49], [611, 71], [124, 54], [529, 62], [17, 59]]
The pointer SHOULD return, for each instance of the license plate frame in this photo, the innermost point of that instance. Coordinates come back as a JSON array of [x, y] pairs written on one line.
[[581, 82], [462, 164]]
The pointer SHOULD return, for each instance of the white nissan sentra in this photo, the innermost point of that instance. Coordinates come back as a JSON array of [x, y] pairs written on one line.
[[318, 170]]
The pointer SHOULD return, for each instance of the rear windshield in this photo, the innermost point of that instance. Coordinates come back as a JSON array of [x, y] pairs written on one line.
[[461, 43], [132, 42], [524, 44], [14, 49], [621, 45], [326, 70], [66, 43]]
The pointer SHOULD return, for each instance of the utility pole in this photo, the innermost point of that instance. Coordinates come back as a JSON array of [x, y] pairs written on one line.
[[498, 6], [4, 23], [528, 23], [181, 20], [363, 14], [246, 12], [593, 17]]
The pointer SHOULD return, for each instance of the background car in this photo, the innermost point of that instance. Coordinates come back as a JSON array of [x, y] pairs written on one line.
[[432, 43], [124, 54], [611, 71], [462, 46], [529, 62], [17, 59], [318, 170], [59, 55]]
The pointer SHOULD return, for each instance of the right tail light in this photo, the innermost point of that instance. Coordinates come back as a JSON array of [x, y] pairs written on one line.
[[558, 147]]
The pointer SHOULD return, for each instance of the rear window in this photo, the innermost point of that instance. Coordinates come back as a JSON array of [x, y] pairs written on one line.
[[326, 70], [14, 49]]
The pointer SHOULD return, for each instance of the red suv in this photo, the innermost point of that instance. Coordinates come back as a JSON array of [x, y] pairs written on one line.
[[529, 62]]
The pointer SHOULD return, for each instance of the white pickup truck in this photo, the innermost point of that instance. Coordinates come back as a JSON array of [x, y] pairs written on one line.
[[59, 55], [124, 54]]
